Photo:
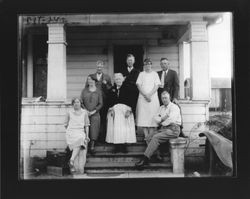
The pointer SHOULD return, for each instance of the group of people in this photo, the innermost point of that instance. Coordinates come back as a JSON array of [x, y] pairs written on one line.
[[112, 113]]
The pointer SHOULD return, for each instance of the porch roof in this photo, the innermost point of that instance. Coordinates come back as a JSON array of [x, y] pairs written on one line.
[[121, 19]]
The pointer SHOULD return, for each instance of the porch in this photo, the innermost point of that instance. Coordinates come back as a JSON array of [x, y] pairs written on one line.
[[60, 51]]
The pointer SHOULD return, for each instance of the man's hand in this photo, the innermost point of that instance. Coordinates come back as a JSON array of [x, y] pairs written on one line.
[[175, 101], [104, 81], [127, 114], [164, 118]]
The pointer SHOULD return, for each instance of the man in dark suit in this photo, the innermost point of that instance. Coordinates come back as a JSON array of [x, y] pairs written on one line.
[[103, 84], [169, 81], [131, 74]]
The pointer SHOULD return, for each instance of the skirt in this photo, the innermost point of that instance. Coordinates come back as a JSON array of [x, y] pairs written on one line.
[[75, 138], [120, 129]]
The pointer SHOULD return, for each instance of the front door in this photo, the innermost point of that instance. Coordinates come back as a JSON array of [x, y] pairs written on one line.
[[120, 56]]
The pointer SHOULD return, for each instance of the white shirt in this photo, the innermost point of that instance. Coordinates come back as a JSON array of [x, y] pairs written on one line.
[[173, 112], [129, 69], [163, 77], [98, 76]]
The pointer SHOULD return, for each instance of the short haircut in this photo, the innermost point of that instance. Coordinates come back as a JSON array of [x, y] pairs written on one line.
[[74, 99], [130, 55], [164, 58], [100, 62], [165, 93]]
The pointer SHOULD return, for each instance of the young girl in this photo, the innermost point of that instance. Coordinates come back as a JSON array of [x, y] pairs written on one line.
[[77, 135]]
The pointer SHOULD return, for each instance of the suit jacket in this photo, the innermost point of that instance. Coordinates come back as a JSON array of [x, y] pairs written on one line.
[[171, 84], [130, 86]]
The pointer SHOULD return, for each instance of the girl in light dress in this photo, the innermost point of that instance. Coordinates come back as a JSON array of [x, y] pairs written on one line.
[[77, 135]]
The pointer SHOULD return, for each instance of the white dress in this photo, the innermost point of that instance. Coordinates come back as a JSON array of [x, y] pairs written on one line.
[[120, 129], [145, 111], [75, 134]]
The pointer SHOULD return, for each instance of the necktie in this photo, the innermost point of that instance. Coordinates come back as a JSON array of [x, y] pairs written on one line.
[[118, 92], [163, 77]]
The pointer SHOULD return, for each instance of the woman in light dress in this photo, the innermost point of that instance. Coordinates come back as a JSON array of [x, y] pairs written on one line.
[[120, 118], [77, 135], [148, 103]]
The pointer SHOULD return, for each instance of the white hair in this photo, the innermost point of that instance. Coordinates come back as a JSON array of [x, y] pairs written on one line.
[[118, 75]]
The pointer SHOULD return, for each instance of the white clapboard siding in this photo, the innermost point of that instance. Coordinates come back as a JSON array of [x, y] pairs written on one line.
[[43, 136], [42, 127]]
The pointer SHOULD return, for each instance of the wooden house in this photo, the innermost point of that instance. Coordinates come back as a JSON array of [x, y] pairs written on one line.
[[59, 51]]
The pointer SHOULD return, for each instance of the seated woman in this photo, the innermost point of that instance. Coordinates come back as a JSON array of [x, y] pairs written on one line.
[[77, 135], [120, 118], [91, 97]]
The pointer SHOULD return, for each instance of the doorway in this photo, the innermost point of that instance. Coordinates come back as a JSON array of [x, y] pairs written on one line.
[[120, 55]]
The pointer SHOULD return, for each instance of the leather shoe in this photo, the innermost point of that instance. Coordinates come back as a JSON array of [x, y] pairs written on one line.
[[139, 165]]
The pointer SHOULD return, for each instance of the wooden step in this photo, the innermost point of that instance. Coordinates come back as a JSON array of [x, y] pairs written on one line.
[[124, 166], [135, 147], [120, 157]]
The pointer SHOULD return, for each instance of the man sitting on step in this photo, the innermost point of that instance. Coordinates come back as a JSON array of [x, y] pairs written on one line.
[[169, 120]]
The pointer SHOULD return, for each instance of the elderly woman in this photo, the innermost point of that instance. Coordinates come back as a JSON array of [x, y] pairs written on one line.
[[77, 131], [91, 97], [148, 103], [120, 118]]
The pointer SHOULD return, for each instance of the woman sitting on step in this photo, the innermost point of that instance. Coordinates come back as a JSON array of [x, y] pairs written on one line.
[[120, 118], [77, 135]]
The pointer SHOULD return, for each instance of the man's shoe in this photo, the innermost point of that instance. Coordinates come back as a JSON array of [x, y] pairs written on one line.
[[139, 165]]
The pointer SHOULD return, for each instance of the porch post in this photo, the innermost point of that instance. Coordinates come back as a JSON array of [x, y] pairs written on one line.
[[56, 80], [181, 66], [199, 60], [30, 66]]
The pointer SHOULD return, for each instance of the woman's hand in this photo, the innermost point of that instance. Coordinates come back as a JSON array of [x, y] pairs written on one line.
[[112, 113], [92, 112], [87, 139], [147, 97], [127, 113]]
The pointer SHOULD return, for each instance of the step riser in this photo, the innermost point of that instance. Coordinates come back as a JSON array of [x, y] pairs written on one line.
[[139, 148], [118, 159]]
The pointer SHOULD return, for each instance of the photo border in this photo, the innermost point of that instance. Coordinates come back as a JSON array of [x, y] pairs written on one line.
[[185, 187]]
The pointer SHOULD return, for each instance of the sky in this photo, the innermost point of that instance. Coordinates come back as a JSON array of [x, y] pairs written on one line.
[[220, 47]]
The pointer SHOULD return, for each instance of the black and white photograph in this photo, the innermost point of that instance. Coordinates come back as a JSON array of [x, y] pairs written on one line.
[[126, 95]]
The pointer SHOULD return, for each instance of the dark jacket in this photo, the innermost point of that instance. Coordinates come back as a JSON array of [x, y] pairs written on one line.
[[113, 98], [130, 87], [171, 84]]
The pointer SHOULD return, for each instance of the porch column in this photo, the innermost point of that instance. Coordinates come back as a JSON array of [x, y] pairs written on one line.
[[200, 79], [30, 66], [56, 79]]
